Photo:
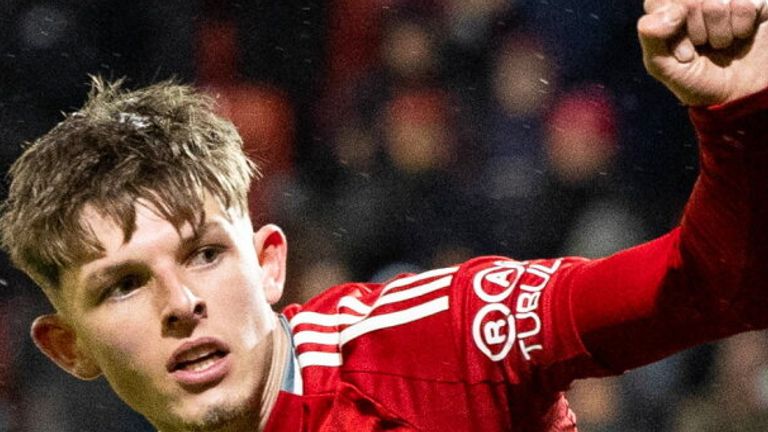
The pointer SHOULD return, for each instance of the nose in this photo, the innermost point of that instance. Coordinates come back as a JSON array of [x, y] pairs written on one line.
[[182, 309]]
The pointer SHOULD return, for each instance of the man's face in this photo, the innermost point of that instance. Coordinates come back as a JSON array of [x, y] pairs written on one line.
[[179, 324]]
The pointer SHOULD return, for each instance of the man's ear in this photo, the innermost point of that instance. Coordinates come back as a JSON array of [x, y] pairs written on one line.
[[57, 340], [272, 251]]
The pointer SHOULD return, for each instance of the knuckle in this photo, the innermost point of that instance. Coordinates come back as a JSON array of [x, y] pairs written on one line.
[[695, 9], [649, 5], [743, 8], [698, 38], [692, 5], [714, 8]]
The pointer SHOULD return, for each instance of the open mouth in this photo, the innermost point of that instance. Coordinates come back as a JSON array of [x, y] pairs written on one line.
[[197, 356], [200, 363]]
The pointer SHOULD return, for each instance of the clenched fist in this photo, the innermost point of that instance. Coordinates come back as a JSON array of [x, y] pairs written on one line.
[[706, 51]]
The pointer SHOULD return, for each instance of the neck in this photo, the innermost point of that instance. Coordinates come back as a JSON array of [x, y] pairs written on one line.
[[280, 344]]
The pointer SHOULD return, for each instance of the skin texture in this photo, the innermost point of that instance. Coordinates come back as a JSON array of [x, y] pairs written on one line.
[[171, 288], [706, 52]]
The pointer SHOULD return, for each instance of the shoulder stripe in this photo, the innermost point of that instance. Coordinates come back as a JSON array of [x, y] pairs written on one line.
[[314, 358], [345, 327], [350, 302], [414, 292], [327, 320], [393, 319], [332, 338], [419, 277], [334, 359], [315, 337], [355, 304]]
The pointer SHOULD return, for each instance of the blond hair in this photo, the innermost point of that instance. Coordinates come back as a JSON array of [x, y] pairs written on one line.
[[162, 143]]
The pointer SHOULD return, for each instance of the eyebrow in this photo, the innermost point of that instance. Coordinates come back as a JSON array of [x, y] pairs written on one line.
[[102, 275], [200, 232]]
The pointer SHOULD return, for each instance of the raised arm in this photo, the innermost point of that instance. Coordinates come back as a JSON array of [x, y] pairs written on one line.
[[708, 278]]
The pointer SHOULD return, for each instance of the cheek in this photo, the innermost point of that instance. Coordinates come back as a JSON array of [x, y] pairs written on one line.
[[130, 349], [123, 338], [122, 347], [241, 305], [129, 360]]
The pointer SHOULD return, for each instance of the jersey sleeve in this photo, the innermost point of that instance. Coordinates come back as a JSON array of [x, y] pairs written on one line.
[[515, 322], [552, 321], [706, 280]]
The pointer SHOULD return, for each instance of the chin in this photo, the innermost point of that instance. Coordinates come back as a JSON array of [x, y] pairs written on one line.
[[213, 412], [216, 418]]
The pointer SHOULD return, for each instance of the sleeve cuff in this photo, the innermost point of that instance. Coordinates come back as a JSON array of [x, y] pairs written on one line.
[[738, 113]]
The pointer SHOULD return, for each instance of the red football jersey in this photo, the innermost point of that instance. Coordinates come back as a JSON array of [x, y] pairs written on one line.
[[456, 349], [491, 345]]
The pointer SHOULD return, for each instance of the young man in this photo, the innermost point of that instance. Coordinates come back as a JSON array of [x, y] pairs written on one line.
[[130, 214]]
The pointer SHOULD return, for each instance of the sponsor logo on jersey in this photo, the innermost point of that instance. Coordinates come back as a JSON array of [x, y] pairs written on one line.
[[501, 324]]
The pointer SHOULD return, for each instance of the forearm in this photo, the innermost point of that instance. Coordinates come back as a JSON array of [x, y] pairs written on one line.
[[705, 280], [724, 232]]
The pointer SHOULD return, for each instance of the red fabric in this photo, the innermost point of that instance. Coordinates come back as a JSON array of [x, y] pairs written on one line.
[[347, 410], [706, 279], [410, 358], [492, 344]]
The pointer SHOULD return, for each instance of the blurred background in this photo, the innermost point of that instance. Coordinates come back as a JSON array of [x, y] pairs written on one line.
[[395, 135]]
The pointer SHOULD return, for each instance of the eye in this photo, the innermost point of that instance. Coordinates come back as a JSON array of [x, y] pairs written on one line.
[[205, 256], [125, 285]]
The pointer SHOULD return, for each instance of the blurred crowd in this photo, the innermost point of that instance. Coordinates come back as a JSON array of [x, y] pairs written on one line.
[[394, 136]]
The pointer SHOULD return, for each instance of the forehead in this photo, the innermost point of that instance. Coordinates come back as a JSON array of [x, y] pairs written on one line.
[[150, 224], [108, 232]]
